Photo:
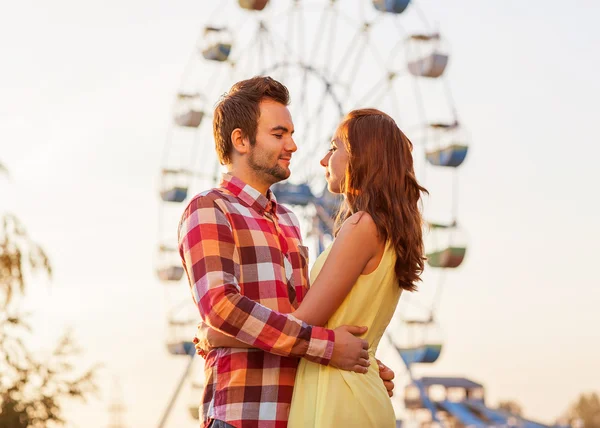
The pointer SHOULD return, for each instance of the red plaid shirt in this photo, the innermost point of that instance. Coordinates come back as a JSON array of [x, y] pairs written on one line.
[[247, 267]]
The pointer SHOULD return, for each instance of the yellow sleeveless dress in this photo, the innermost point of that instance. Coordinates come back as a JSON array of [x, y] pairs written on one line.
[[326, 397]]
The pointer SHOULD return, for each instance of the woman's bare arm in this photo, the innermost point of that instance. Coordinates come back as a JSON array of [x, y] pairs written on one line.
[[357, 243]]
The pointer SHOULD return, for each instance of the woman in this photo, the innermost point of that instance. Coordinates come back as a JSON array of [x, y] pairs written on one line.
[[377, 253]]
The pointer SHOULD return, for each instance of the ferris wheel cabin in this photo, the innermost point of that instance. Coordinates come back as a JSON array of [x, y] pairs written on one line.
[[217, 44], [178, 342], [253, 4], [447, 246], [188, 110], [451, 257], [421, 342], [447, 147], [391, 6], [181, 348], [450, 156], [174, 185], [197, 389], [169, 265], [427, 58]]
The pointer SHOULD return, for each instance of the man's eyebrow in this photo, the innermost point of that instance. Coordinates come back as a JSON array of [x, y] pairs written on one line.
[[281, 128]]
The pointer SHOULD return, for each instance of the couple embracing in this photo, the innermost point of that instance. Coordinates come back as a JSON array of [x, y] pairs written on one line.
[[283, 349]]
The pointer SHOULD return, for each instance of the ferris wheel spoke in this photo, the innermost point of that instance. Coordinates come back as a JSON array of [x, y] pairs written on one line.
[[355, 67], [349, 20], [291, 28], [216, 11], [450, 99], [331, 43], [261, 51], [437, 297], [318, 112], [419, 101], [374, 49], [300, 18], [401, 40], [347, 53], [284, 54], [454, 196], [370, 93], [316, 45], [247, 51], [421, 15]]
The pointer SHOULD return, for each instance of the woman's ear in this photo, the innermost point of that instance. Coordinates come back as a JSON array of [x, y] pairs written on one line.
[[240, 143]]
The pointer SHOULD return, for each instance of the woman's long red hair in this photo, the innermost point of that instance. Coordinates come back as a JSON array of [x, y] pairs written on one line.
[[381, 181]]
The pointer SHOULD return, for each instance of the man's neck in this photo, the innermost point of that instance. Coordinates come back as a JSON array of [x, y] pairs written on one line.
[[249, 177]]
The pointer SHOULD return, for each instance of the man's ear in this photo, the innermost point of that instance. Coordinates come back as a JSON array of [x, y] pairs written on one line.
[[240, 143]]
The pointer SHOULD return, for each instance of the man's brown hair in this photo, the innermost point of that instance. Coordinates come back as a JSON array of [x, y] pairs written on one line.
[[239, 108]]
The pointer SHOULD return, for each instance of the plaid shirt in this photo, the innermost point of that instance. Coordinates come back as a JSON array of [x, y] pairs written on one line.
[[247, 267]]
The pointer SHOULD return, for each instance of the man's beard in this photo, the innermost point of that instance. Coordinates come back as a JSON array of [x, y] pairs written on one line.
[[271, 174]]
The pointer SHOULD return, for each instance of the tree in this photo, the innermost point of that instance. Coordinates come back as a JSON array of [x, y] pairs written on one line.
[[587, 410], [511, 407], [31, 390]]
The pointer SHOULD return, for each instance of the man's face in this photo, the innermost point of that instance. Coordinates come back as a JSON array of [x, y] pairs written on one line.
[[271, 155]]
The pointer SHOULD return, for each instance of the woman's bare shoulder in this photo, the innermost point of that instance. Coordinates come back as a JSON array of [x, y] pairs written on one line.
[[361, 226]]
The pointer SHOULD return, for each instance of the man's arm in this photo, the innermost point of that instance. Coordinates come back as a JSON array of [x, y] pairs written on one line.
[[207, 339], [211, 260]]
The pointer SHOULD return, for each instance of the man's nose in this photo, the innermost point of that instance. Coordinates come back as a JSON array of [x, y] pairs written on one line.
[[291, 146]]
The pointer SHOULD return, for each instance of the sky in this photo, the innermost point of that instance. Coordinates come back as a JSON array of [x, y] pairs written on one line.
[[85, 106]]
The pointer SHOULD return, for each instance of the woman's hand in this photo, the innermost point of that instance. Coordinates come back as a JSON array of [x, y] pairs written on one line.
[[387, 375]]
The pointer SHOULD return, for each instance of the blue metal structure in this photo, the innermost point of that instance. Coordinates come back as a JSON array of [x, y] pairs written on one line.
[[468, 410], [293, 194], [462, 413]]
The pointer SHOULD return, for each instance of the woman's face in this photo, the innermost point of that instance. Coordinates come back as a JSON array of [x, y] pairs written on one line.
[[335, 163]]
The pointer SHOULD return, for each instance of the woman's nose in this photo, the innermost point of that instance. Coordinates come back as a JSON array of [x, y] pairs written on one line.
[[325, 161]]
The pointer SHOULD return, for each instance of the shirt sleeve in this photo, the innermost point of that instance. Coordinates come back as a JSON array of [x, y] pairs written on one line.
[[211, 261]]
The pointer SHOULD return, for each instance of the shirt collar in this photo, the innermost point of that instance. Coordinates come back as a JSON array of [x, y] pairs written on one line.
[[249, 195]]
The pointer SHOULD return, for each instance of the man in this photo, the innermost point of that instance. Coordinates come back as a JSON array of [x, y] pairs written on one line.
[[247, 267]]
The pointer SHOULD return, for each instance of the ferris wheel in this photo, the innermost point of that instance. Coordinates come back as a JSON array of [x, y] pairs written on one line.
[[334, 56]]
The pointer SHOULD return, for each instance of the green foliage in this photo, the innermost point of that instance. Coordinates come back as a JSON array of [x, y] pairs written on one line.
[[19, 256], [586, 410], [511, 407], [32, 387]]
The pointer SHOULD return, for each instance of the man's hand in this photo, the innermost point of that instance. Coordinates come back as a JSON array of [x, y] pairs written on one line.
[[387, 375], [201, 340], [350, 352]]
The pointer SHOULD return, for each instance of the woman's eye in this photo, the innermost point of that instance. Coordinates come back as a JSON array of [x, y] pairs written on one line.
[[331, 150]]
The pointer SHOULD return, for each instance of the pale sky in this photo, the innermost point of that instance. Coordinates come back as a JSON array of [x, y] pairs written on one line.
[[86, 94]]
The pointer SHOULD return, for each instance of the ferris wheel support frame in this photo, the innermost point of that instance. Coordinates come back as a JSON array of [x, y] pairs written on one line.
[[169, 408]]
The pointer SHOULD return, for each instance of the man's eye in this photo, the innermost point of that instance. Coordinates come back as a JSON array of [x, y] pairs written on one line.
[[278, 136]]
